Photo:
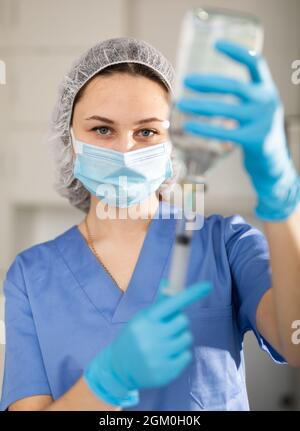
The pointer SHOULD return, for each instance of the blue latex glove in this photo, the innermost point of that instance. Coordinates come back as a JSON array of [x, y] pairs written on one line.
[[150, 351], [260, 129]]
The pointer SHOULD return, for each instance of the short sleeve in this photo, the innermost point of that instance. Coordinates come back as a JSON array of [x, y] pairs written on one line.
[[248, 254], [24, 371]]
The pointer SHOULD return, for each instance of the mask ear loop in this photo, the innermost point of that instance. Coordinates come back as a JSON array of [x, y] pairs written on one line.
[[168, 143], [74, 142]]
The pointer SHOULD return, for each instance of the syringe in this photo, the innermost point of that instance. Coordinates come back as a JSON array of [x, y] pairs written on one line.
[[180, 252]]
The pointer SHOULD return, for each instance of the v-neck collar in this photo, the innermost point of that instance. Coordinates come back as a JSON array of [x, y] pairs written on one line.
[[117, 306]]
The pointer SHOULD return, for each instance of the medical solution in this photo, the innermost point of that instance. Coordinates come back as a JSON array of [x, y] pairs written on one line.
[[200, 29], [179, 260]]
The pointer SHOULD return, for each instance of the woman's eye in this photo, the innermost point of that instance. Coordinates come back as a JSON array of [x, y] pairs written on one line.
[[146, 135], [102, 130]]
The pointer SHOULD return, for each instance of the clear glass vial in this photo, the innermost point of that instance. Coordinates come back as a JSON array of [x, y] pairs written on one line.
[[200, 29]]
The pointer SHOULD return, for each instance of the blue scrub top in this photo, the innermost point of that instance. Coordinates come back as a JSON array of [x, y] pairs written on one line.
[[62, 308]]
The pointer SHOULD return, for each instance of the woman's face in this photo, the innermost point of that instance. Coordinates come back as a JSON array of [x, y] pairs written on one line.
[[122, 112]]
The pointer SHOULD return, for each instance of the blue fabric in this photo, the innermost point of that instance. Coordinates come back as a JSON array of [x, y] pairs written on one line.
[[62, 308]]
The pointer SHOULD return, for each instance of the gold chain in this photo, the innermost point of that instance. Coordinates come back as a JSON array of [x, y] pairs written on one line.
[[91, 244]]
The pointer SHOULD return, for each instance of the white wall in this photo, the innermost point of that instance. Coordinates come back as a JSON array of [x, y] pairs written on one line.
[[38, 42]]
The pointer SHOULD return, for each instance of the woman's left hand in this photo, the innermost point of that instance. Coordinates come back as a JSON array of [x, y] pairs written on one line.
[[259, 131]]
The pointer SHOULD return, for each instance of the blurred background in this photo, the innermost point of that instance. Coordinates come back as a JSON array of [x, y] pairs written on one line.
[[38, 41]]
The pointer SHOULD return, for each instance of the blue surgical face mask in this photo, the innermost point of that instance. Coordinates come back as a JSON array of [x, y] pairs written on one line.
[[122, 179]]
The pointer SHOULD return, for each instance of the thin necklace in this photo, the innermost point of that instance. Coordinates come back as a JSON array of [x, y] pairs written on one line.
[[92, 246]]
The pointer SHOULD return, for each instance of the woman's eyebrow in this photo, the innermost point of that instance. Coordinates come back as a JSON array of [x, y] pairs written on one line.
[[107, 120]]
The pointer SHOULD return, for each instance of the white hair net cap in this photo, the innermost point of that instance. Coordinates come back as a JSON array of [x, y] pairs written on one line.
[[103, 54]]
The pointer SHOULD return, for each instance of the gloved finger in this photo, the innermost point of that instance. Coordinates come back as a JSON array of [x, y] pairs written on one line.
[[173, 366], [256, 64], [218, 84], [210, 131], [165, 309], [242, 112], [179, 362], [175, 325], [242, 55], [176, 345]]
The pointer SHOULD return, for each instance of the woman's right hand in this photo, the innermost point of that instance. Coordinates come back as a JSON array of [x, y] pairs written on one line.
[[151, 350]]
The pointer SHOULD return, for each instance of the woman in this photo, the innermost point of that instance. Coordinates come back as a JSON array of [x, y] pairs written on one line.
[[86, 328]]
